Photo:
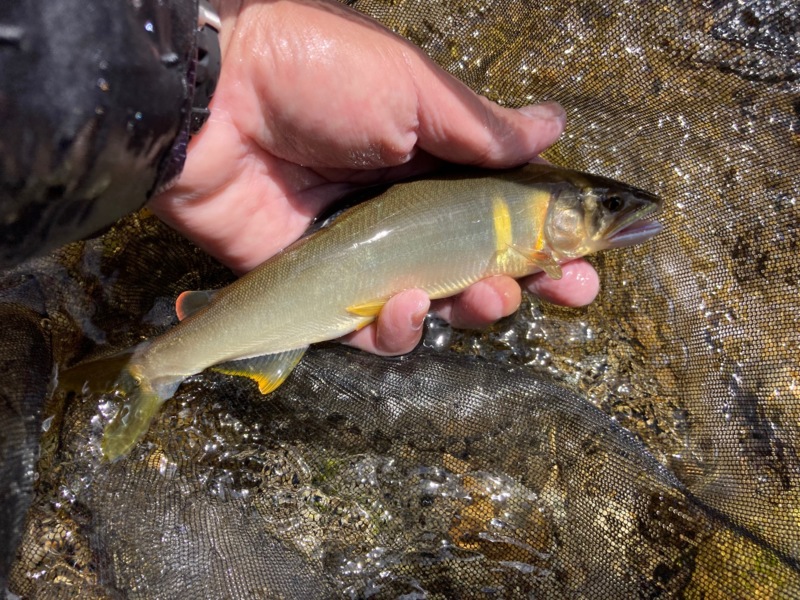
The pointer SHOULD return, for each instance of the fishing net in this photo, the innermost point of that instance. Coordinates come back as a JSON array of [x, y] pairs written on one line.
[[644, 446]]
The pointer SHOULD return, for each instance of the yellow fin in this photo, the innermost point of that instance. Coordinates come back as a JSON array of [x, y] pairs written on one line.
[[368, 309], [268, 371], [542, 260]]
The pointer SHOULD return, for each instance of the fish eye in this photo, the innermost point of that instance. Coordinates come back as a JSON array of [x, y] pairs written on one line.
[[612, 203]]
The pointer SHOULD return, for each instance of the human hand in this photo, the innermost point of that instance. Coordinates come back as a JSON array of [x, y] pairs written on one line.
[[314, 101]]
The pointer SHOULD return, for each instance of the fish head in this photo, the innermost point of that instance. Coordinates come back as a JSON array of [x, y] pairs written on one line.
[[591, 213]]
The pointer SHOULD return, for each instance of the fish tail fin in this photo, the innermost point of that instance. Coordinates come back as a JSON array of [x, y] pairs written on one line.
[[130, 424]]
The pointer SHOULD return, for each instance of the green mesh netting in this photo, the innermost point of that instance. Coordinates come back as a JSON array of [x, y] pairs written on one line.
[[663, 463]]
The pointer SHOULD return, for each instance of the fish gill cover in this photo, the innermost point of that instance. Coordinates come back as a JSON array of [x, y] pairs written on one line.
[[664, 463]]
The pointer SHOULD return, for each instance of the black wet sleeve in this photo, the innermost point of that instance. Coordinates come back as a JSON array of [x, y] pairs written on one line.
[[95, 104]]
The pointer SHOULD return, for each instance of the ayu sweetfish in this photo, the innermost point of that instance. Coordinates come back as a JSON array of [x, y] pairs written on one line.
[[440, 235]]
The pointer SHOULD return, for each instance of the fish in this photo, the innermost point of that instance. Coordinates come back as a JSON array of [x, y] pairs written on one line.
[[440, 234]]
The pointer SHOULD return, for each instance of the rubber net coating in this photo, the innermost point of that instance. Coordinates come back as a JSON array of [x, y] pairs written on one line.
[[664, 464]]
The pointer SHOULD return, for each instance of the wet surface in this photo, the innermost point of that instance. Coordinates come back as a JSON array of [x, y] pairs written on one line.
[[673, 472]]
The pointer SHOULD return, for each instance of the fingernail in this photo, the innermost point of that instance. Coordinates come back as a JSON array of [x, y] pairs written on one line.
[[419, 314], [545, 110]]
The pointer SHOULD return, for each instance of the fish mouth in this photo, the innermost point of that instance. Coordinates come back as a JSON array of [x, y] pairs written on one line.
[[637, 232], [638, 227]]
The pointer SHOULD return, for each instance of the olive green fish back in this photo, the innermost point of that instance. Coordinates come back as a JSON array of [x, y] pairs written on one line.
[[646, 446]]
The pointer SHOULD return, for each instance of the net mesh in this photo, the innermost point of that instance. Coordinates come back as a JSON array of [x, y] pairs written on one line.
[[645, 446]]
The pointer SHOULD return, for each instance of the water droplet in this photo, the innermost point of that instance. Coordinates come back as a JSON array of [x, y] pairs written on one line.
[[148, 26], [166, 468], [438, 333], [11, 35], [170, 59], [103, 84], [108, 410], [137, 117]]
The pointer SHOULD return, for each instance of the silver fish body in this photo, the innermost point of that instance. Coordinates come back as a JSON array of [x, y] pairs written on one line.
[[440, 235]]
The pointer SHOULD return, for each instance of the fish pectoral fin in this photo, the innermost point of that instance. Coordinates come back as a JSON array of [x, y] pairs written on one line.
[[543, 260], [269, 370], [190, 302], [368, 309]]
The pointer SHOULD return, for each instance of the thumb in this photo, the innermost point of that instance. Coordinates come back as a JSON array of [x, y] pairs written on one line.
[[457, 125]]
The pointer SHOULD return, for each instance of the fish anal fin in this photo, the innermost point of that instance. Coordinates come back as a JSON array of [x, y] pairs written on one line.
[[542, 260], [368, 309], [268, 371], [190, 302]]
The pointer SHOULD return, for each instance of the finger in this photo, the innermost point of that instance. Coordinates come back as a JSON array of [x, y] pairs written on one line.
[[457, 125], [420, 163], [578, 286], [481, 304], [398, 328]]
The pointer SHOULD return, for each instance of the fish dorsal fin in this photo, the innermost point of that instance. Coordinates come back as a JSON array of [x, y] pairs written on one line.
[[190, 302], [269, 370]]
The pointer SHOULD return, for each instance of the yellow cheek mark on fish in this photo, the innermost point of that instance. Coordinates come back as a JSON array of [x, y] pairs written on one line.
[[507, 253], [538, 205], [503, 236]]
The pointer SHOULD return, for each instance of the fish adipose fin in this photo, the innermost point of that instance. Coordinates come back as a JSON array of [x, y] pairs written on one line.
[[269, 370], [541, 260], [99, 375], [368, 309], [190, 302]]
